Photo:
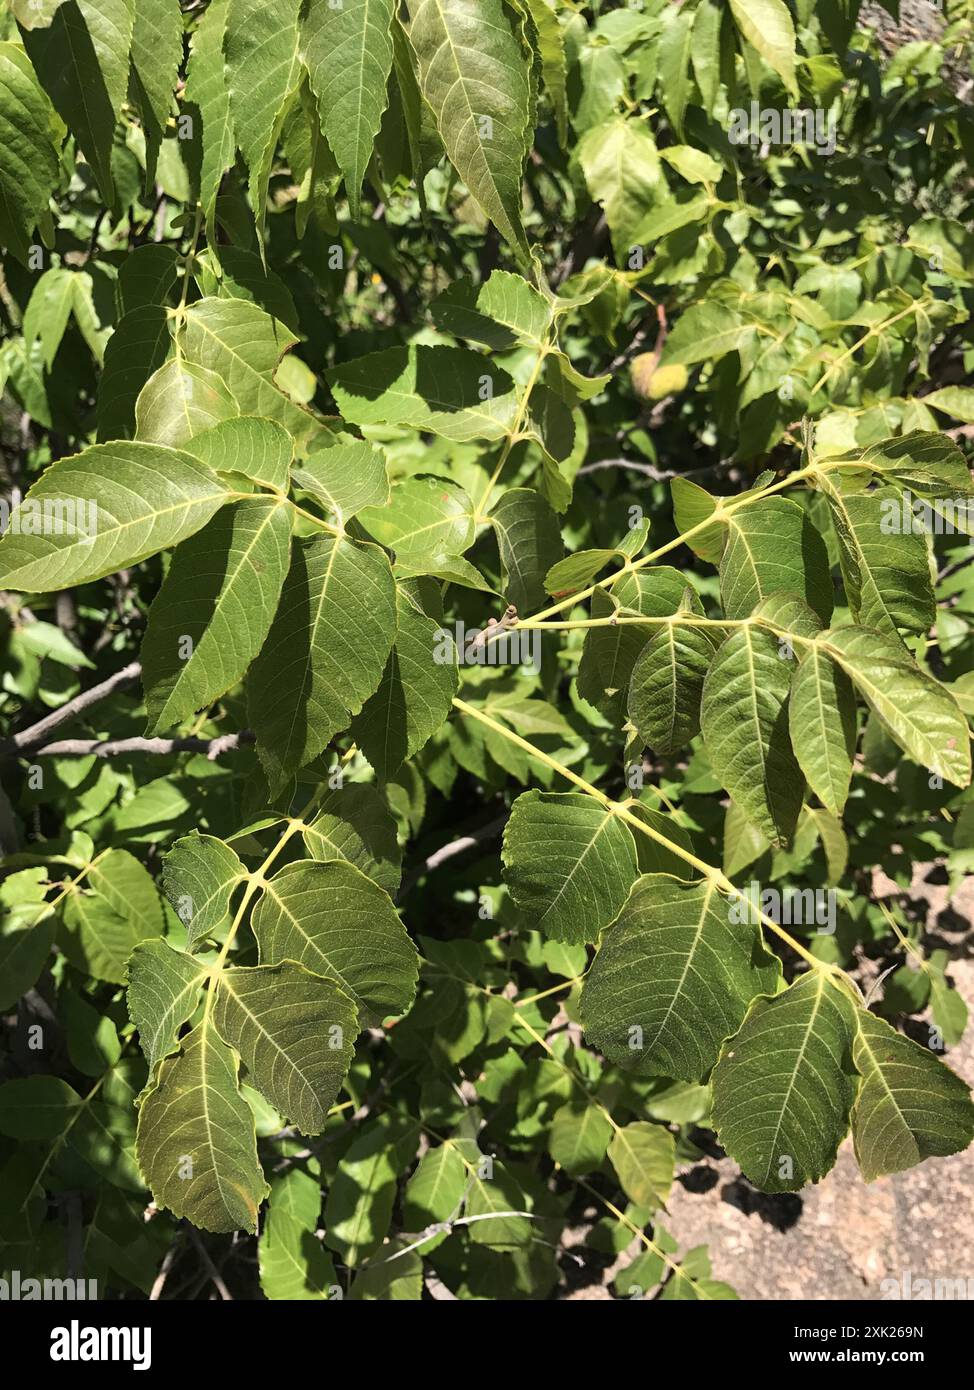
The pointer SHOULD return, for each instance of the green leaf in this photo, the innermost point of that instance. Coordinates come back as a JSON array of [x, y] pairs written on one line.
[[146, 276], [199, 875], [336, 922], [86, 315], [207, 90], [886, 575], [692, 505], [705, 53], [435, 1191], [554, 63], [675, 49], [105, 918], [744, 720], [946, 1004], [772, 547], [910, 1106], [93, 1041], [692, 164], [501, 313], [622, 172], [652, 856], [784, 1085], [915, 710], [705, 332], [492, 1200], [163, 993], [426, 516], [672, 215], [394, 1275], [317, 668], [141, 498], [240, 274], [243, 345], [29, 163], [353, 823], [822, 723], [448, 391], [196, 1142], [135, 366], [180, 401], [82, 60], [666, 686], [345, 479], [47, 313], [294, 1265], [348, 51], [673, 978], [263, 71], [529, 541], [358, 1209], [955, 401], [36, 1107], [27, 927], [417, 688], [295, 1033], [610, 653], [214, 610], [834, 842], [643, 1156], [580, 1134], [576, 571], [157, 55], [474, 77], [454, 569], [247, 447], [569, 863], [768, 26]]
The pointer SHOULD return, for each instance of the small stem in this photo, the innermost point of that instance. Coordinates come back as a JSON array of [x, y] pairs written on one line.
[[45, 907], [723, 509], [873, 332], [190, 260], [514, 436], [546, 993], [315, 520], [631, 1226], [255, 881], [708, 871]]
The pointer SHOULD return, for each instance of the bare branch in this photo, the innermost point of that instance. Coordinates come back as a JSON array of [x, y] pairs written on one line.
[[119, 747], [215, 1276], [38, 732], [493, 628], [448, 851], [658, 475]]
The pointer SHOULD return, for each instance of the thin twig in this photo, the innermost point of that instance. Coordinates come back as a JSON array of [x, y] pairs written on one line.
[[494, 628], [450, 850], [167, 1264], [658, 475], [120, 747], [38, 733], [211, 1268]]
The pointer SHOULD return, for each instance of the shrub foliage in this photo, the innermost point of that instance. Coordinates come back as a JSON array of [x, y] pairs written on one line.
[[487, 591]]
